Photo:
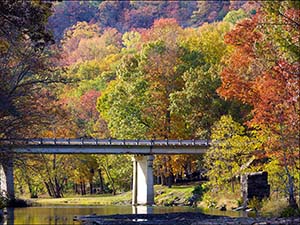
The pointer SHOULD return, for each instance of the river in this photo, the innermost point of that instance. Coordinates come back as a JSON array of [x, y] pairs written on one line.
[[51, 215]]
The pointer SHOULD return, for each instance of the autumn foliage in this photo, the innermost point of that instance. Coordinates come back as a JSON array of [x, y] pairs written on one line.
[[221, 70], [263, 72]]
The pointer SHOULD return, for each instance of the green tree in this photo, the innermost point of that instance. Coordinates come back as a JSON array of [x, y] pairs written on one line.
[[122, 102], [198, 103], [234, 16], [231, 148], [118, 171], [136, 104]]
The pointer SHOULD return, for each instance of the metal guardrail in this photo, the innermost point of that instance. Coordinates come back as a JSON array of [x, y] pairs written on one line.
[[115, 142]]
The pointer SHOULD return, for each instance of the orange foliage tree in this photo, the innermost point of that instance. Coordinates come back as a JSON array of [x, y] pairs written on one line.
[[264, 72]]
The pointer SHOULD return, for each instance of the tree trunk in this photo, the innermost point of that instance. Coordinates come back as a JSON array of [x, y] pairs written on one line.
[[168, 124], [290, 184], [170, 181], [92, 173], [101, 181], [84, 188], [81, 188], [58, 188], [158, 180], [33, 194], [292, 199], [51, 188], [232, 181], [164, 176], [48, 189], [91, 188], [111, 180], [76, 188], [163, 179]]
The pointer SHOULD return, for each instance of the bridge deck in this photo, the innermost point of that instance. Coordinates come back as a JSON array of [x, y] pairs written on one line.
[[105, 146]]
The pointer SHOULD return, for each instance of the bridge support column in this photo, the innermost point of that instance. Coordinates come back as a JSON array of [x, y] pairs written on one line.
[[7, 178], [143, 191]]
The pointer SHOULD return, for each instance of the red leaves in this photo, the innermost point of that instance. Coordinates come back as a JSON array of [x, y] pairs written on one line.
[[87, 105], [166, 29], [264, 76], [269, 89], [278, 92], [237, 76], [244, 36]]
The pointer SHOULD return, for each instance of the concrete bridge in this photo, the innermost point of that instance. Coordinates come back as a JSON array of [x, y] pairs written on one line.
[[143, 152]]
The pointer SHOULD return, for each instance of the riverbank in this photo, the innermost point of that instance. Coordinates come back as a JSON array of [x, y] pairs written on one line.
[[175, 196], [180, 195], [107, 199], [181, 218]]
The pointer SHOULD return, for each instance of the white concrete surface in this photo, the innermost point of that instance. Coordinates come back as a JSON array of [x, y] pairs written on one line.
[[7, 179], [143, 191]]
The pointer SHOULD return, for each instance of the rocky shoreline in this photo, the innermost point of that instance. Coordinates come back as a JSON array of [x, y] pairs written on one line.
[[181, 219]]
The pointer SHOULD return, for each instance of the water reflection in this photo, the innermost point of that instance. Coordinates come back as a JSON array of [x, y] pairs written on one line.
[[142, 209], [9, 217], [59, 215]]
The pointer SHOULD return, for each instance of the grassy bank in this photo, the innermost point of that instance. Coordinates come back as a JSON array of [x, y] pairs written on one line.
[[106, 199], [175, 196], [163, 196]]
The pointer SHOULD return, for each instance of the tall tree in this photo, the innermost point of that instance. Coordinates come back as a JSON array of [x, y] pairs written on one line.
[[198, 103], [263, 71], [230, 150], [136, 104], [24, 62]]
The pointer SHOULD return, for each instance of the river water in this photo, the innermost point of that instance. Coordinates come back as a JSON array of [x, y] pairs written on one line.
[[51, 215]]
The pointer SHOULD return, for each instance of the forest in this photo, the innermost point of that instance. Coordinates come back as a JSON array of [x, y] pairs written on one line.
[[227, 71]]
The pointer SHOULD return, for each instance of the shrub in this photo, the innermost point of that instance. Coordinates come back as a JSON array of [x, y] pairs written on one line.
[[239, 202], [255, 204], [199, 190], [278, 208], [290, 212], [210, 202], [198, 193]]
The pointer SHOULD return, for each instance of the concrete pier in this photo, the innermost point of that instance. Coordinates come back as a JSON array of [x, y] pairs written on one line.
[[143, 191], [7, 178]]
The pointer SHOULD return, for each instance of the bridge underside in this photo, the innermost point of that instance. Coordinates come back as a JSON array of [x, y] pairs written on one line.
[[105, 146], [142, 151], [142, 192]]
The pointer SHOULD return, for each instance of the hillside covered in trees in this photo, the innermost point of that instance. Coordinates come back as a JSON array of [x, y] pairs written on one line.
[[221, 70]]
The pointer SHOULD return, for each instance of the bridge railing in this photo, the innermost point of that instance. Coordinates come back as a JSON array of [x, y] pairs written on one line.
[[86, 141]]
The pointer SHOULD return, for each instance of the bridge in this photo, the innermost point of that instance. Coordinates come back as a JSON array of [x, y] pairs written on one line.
[[143, 152]]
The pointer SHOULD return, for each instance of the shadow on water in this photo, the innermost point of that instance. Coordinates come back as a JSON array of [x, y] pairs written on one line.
[[58, 215]]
